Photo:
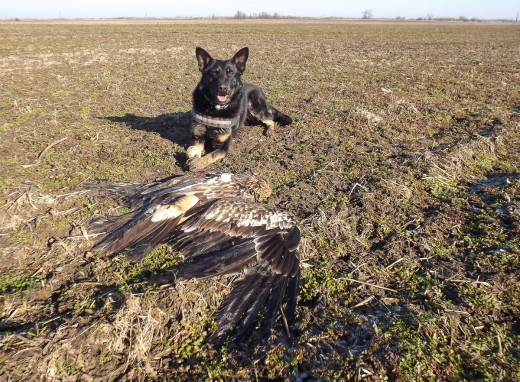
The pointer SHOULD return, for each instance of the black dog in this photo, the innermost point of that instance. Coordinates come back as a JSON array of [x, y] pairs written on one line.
[[222, 103]]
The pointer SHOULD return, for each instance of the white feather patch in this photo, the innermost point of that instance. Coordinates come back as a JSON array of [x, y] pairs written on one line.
[[171, 211], [252, 221], [226, 177]]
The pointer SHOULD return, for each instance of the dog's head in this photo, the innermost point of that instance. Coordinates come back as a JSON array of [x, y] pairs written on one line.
[[221, 78]]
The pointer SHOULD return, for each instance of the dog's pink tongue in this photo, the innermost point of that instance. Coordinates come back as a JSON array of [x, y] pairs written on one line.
[[222, 98]]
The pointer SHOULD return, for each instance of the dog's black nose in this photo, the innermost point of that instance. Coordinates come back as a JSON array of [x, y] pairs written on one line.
[[222, 88]]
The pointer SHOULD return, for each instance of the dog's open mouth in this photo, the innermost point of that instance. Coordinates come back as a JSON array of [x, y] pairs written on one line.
[[222, 98]]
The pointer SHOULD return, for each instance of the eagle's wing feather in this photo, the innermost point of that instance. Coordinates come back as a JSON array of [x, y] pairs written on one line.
[[142, 231], [292, 295], [273, 304], [242, 306], [157, 205], [250, 315], [230, 260], [206, 186], [231, 227], [213, 222], [229, 235]]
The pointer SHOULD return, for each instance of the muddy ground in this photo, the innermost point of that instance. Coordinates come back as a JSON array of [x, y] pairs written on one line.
[[402, 167]]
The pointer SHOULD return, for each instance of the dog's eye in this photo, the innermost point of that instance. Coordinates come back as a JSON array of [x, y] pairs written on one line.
[[229, 72], [216, 72]]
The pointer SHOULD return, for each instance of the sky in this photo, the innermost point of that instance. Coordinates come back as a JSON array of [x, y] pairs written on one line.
[[70, 9]]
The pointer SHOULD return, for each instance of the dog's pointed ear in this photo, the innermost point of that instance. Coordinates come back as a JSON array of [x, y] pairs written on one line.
[[240, 59], [203, 58]]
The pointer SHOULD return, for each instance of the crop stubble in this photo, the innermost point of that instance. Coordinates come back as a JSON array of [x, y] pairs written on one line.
[[412, 258]]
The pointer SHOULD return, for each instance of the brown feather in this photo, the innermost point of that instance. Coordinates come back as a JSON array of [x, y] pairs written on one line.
[[213, 220]]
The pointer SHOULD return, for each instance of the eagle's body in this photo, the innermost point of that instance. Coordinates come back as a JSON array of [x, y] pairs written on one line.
[[215, 221]]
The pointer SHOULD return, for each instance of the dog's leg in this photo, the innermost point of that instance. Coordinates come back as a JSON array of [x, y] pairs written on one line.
[[200, 163], [275, 117], [196, 147], [269, 127], [261, 110], [280, 118], [195, 150], [258, 108]]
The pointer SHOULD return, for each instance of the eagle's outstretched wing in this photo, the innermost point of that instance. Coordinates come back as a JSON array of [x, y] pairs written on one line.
[[229, 235], [220, 230], [157, 208]]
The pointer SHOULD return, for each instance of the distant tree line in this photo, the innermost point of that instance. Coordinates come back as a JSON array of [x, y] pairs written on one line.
[[461, 18], [367, 14], [261, 15]]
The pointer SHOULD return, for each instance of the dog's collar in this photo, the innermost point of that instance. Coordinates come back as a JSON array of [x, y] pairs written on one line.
[[221, 106], [214, 121]]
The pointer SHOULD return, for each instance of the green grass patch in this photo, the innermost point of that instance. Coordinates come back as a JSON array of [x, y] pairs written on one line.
[[16, 282]]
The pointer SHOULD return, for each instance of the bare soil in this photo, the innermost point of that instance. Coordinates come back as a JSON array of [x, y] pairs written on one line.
[[402, 166]]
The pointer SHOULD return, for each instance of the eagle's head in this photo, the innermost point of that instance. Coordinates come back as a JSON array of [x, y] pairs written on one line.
[[261, 190]]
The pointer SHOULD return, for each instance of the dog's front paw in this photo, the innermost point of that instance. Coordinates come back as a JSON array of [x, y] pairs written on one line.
[[193, 151], [197, 163], [269, 131]]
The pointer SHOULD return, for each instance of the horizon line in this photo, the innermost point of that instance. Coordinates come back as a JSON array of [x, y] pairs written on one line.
[[278, 17]]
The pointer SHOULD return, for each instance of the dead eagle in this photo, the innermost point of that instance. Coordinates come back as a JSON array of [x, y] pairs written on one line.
[[217, 224]]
